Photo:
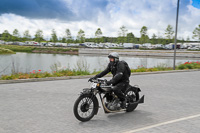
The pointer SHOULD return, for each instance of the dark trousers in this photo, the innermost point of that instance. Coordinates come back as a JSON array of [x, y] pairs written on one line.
[[119, 88]]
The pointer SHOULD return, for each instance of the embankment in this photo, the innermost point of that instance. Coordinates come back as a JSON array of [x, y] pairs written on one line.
[[134, 52]]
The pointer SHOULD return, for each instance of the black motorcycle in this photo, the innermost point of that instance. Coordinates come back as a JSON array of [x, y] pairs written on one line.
[[87, 105]]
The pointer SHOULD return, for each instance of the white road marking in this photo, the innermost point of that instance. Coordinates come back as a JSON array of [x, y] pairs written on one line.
[[163, 123]]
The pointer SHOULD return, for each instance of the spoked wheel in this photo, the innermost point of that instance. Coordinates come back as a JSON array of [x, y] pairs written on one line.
[[85, 107], [132, 97]]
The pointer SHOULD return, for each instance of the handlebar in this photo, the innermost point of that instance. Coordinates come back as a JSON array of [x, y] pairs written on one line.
[[99, 80], [102, 81]]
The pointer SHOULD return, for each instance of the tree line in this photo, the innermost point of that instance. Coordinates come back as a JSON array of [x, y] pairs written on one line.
[[123, 36]]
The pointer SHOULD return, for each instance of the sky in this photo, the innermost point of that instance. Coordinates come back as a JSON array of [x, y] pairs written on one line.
[[89, 15]]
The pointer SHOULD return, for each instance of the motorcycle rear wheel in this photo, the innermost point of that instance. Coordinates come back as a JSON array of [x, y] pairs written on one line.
[[132, 97], [85, 107]]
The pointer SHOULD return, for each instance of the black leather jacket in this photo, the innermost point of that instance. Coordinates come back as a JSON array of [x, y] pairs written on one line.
[[119, 72]]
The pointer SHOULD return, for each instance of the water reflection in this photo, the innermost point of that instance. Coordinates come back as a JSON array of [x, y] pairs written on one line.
[[27, 62]]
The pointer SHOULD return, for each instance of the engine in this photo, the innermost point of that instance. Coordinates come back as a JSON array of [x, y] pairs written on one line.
[[114, 105]]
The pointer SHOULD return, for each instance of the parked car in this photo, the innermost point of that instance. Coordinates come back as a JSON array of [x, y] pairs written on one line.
[[193, 48], [128, 45]]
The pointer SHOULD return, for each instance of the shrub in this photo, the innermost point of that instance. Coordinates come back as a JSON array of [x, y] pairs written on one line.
[[189, 65], [152, 69], [182, 66]]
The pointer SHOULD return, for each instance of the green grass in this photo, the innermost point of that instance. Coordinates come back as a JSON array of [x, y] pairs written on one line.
[[17, 48], [40, 74], [30, 49], [6, 51]]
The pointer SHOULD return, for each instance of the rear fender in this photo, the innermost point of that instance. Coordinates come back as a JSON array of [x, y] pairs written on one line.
[[136, 89], [132, 106], [141, 100]]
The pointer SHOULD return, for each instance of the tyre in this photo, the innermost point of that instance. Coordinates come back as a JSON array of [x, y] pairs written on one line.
[[85, 107], [132, 97]]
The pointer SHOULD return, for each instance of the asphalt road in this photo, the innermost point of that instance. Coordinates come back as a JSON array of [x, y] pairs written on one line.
[[172, 105]]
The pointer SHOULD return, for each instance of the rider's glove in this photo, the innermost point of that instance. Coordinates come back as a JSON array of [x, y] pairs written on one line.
[[108, 82], [90, 80]]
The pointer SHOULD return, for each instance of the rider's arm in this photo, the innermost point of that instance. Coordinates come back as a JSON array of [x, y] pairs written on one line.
[[103, 73], [119, 73]]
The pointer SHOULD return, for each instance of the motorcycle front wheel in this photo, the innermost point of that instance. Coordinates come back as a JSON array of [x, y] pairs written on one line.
[[85, 107]]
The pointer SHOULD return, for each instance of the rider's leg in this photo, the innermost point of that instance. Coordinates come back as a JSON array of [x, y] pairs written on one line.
[[117, 90]]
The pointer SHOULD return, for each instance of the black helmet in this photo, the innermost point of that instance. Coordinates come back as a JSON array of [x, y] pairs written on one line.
[[114, 55]]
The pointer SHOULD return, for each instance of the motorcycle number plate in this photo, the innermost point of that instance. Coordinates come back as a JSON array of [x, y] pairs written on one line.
[[94, 85]]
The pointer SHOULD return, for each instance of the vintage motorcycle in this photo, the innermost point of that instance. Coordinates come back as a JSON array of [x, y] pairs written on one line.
[[87, 105]]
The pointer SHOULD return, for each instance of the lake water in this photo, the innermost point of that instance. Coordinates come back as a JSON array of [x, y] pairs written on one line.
[[27, 62]]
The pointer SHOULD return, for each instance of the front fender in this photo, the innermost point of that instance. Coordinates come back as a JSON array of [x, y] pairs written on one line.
[[87, 91]]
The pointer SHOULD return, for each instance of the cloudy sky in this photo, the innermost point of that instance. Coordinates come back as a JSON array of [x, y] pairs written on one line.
[[88, 15]]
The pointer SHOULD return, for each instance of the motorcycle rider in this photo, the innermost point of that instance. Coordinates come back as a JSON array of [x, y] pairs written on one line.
[[120, 78]]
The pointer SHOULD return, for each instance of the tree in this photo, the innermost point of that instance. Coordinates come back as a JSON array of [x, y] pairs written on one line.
[[81, 36], [63, 40], [143, 31], [68, 36], [27, 36], [188, 39], [130, 38], [54, 37], [39, 36], [182, 40], [144, 37], [196, 33], [169, 32], [159, 38], [6, 36], [153, 39], [15, 36], [98, 35], [103, 39], [122, 34], [123, 31]]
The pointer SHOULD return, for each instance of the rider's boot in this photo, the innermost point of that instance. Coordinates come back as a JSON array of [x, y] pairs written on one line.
[[123, 104]]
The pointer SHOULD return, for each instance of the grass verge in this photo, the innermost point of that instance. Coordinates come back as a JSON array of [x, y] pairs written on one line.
[[6, 51], [33, 49], [76, 72]]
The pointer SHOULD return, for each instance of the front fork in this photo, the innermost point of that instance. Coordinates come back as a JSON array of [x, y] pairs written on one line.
[[92, 96]]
